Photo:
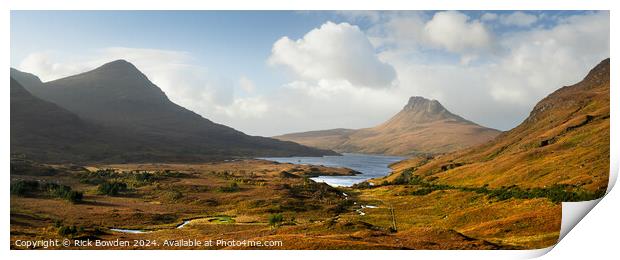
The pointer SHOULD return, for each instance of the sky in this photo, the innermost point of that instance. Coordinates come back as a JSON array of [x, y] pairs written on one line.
[[274, 72]]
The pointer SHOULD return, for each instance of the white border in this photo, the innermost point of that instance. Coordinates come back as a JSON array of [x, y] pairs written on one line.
[[312, 5]]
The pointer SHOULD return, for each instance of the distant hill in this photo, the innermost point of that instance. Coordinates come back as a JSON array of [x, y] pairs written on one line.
[[564, 141], [422, 126], [121, 100]]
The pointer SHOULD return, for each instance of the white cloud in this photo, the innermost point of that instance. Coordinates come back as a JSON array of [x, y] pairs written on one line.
[[521, 68], [246, 84], [518, 18], [450, 31], [185, 83], [47, 69], [335, 52], [496, 82], [246, 107], [455, 32], [516, 70], [540, 60]]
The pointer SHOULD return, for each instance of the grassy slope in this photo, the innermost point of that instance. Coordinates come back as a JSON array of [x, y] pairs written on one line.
[[432, 137], [331, 139], [321, 218], [516, 223], [423, 126], [565, 140], [316, 216]]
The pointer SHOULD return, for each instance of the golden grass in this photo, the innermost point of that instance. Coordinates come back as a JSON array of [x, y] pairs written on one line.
[[440, 220]]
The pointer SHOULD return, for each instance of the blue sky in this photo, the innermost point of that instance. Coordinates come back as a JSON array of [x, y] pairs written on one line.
[[231, 43], [232, 72]]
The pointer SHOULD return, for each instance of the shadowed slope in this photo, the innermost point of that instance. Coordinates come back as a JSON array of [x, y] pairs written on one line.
[[118, 96], [44, 130]]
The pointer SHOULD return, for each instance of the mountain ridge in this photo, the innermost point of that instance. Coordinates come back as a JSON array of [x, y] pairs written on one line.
[[422, 126], [428, 110], [118, 96], [564, 141]]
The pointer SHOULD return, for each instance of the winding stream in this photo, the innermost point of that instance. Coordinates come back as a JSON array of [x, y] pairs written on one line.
[[141, 231]]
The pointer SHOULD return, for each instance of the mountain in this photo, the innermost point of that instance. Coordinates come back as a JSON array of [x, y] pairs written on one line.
[[122, 100], [43, 129], [564, 141], [26, 80], [422, 126], [36, 117]]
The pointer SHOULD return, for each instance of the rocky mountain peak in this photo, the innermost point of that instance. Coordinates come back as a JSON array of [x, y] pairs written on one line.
[[423, 105]]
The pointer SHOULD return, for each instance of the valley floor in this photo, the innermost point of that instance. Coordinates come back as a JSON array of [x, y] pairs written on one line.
[[256, 200]]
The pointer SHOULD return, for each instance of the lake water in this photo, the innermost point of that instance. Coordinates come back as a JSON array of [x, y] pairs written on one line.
[[371, 166]]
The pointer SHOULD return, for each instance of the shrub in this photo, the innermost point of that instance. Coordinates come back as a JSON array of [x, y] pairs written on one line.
[[63, 192], [362, 185], [57, 190], [111, 188], [556, 193], [74, 196], [144, 177], [275, 220], [67, 231], [173, 195], [421, 192], [21, 188]]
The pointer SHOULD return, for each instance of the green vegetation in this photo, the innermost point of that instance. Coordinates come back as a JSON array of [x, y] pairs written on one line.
[[22, 188], [67, 231], [25, 188], [366, 185], [111, 188], [130, 178], [556, 193], [275, 220], [222, 219], [311, 189], [421, 192], [298, 210]]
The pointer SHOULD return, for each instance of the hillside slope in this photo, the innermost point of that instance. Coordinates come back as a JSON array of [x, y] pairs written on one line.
[[118, 96], [564, 142], [422, 126], [44, 130]]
